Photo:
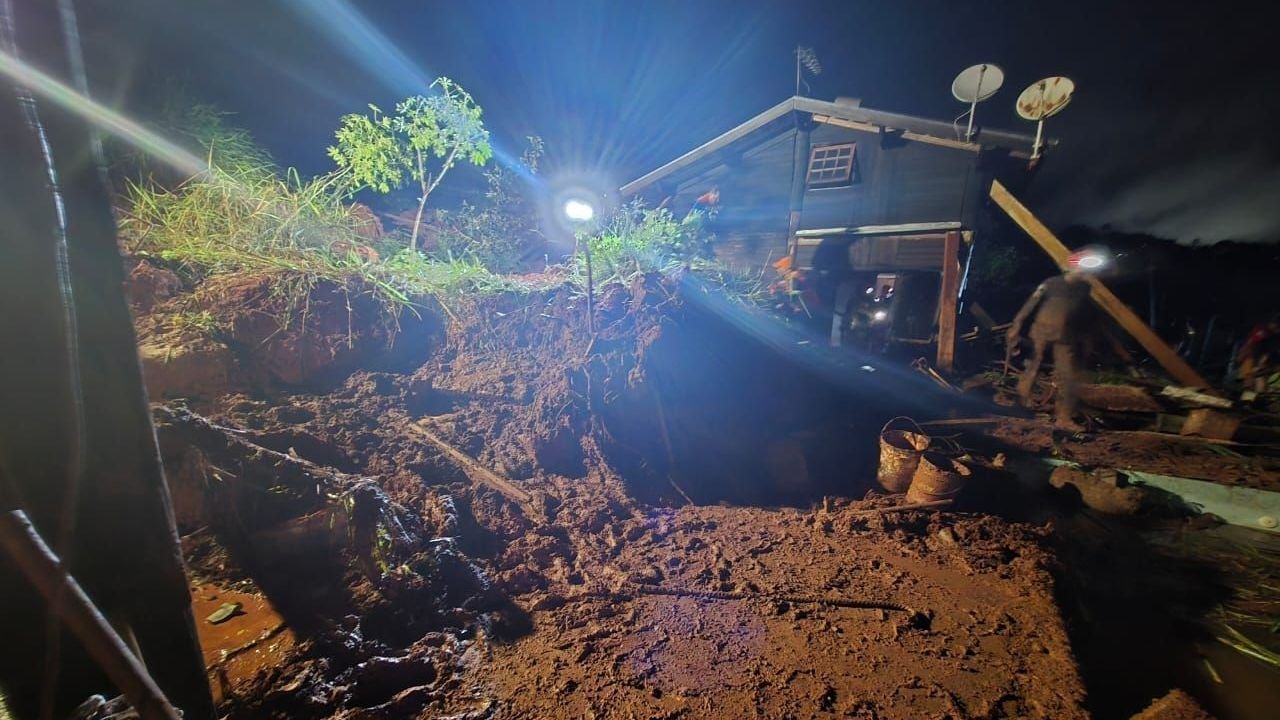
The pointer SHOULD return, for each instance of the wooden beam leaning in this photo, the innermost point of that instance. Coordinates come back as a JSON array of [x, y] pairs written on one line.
[[1101, 294]]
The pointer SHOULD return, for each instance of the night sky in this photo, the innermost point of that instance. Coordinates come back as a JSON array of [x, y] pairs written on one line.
[[1166, 134]]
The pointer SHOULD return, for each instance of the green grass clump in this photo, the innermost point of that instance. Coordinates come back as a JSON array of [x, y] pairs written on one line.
[[640, 240], [300, 232]]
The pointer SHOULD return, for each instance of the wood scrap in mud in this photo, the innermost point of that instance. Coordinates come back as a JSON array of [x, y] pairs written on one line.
[[279, 507], [215, 469], [1118, 398], [988, 420], [474, 470], [631, 589], [929, 505], [1193, 397], [1195, 440], [922, 366], [1210, 424]]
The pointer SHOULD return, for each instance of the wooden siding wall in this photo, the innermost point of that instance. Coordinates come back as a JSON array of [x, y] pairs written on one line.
[[751, 228], [896, 181]]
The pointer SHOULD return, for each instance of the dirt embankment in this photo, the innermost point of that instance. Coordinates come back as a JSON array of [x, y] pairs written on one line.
[[407, 591]]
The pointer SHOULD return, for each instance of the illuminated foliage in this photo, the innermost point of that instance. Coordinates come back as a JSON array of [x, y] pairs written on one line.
[[499, 231], [641, 240], [420, 143]]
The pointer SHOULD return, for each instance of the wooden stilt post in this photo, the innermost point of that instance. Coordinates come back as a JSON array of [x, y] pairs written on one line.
[[1101, 294], [799, 173], [947, 298]]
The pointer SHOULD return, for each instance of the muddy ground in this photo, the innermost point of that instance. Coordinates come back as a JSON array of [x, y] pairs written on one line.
[[679, 542]]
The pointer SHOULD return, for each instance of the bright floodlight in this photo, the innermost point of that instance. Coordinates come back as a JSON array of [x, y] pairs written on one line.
[[879, 315], [1092, 262], [579, 210]]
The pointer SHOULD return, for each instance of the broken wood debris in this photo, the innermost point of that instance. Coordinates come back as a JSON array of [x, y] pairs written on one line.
[[988, 420], [922, 366], [474, 470], [1210, 424], [929, 505], [1195, 397], [636, 589]]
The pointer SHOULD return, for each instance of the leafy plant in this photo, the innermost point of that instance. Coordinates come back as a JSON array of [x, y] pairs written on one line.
[[422, 141], [497, 232], [640, 240]]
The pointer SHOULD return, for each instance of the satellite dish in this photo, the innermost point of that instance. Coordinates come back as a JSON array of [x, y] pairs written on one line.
[[975, 84], [1045, 98], [1042, 100]]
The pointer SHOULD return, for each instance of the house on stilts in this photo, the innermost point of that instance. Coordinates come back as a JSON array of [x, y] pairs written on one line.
[[871, 206]]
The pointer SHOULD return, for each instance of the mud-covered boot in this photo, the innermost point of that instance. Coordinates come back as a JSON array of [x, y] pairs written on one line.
[[1063, 420]]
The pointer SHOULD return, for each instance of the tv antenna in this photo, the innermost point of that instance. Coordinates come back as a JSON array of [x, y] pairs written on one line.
[[975, 84], [1042, 100]]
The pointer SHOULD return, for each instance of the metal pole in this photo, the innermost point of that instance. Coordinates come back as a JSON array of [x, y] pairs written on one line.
[[69, 603], [591, 294], [797, 70], [973, 106]]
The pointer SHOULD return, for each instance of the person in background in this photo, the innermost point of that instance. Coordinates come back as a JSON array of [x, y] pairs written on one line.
[[1060, 305], [1258, 355]]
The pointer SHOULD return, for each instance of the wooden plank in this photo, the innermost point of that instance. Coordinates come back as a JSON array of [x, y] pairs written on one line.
[[947, 301], [849, 124], [941, 142], [989, 420], [799, 183], [899, 229], [1101, 294], [906, 134], [474, 470]]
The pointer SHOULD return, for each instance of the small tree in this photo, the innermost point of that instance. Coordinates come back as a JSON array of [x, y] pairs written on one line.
[[424, 139]]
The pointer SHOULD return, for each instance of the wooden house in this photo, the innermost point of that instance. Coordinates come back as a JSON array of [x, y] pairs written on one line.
[[858, 198]]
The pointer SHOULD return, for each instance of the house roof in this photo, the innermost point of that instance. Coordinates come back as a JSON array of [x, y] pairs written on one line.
[[916, 128]]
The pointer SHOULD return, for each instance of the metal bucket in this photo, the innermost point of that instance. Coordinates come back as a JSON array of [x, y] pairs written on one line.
[[938, 477], [900, 452]]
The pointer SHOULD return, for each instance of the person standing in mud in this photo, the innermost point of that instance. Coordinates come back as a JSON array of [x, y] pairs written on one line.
[[1061, 308]]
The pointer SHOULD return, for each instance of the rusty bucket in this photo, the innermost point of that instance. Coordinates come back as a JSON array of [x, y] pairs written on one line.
[[938, 477], [900, 452]]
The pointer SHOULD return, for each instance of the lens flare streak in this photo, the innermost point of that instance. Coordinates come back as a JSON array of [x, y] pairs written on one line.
[[101, 117]]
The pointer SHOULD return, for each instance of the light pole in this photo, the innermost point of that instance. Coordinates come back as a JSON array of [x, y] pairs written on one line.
[[580, 213]]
